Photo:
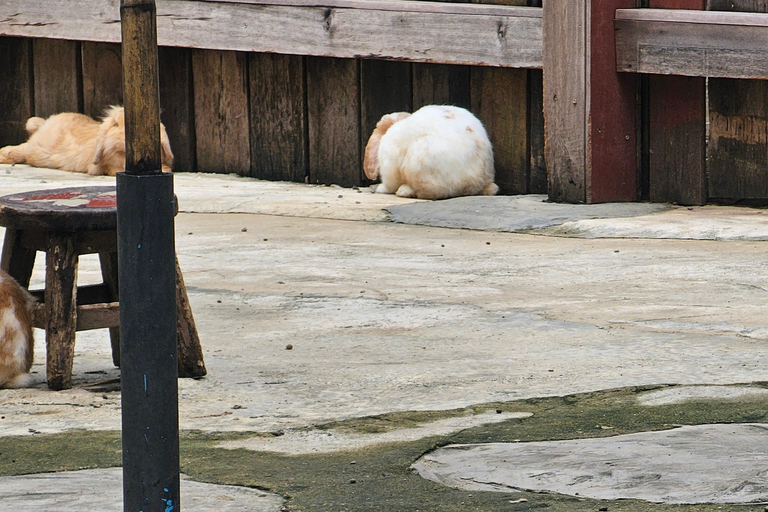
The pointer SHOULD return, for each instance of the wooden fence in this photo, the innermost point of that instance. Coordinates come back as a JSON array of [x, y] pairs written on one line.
[[291, 89]]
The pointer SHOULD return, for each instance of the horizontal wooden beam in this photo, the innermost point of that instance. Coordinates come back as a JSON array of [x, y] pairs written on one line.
[[692, 43], [89, 316], [486, 35]]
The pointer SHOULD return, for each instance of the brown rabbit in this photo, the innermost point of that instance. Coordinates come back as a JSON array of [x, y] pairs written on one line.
[[16, 338], [76, 143]]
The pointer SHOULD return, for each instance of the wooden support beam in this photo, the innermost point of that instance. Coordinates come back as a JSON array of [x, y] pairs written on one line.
[[692, 43], [399, 29], [589, 108]]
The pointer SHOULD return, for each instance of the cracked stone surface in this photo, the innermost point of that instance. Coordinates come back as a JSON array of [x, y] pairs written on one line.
[[690, 464]]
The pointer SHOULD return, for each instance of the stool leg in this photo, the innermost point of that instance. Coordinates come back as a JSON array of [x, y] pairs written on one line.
[[16, 260], [109, 275], [190, 353], [61, 306]]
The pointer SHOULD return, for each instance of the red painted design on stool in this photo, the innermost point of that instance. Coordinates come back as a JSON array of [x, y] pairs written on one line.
[[50, 197], [107, 201]]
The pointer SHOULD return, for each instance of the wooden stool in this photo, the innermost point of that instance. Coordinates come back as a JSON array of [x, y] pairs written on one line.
[[65, 223]]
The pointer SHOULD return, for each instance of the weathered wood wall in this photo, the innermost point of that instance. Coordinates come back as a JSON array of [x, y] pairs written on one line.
[[676, 126], [738, 129], [277, 117]]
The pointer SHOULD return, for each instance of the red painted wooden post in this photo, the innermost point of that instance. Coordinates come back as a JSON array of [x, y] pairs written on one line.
[[590, 109], [677, 112]]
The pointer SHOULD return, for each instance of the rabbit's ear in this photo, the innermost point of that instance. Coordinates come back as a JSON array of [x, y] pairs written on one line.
[[107, 124], [371, 158], [166, 156]]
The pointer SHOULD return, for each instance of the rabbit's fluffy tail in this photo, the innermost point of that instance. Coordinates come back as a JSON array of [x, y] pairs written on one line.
[[33, 124], [490, 189]]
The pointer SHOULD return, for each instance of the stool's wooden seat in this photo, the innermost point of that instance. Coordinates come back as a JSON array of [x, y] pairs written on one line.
[[65, 223]]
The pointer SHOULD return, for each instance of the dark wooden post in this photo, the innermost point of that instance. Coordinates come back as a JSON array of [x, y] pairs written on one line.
[[590, 109], [147, 280], [676, 122]]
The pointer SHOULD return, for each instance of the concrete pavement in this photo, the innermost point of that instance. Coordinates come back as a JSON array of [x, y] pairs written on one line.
[[453, 305]]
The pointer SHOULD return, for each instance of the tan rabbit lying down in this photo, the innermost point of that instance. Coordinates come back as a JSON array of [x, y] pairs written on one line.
[[435, 153], [76, 143], [16, 338]]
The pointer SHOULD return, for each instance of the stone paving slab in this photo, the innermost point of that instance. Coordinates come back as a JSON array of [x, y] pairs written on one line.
[[101, 489], [690, 464]]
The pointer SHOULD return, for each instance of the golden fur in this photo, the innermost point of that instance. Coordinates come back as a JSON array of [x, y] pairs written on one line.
[[16, 337], [76, 143]]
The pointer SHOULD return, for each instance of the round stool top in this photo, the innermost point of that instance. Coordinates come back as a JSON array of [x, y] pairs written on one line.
[[62, 209]]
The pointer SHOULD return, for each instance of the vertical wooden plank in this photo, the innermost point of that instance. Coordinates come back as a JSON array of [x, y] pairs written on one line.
[[499, 98], [676, 124], [102, 77], [738, 117], [386, 87], [333, 109], [611, 112], [676, 138], [590, 109], [221, 111], [176, 105], [278, 117], [537, 175], [537, 179], [440, 84], [500, 101], [58, 78], [16, 95], [565, 98]]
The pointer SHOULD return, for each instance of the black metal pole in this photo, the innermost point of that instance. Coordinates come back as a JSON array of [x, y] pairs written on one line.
[[147, 281]]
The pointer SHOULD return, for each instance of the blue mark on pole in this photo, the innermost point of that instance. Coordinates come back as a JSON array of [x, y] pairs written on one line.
[[145, 383], [168, 502]]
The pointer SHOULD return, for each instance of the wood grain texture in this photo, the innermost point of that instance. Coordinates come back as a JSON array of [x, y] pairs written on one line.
[[490, 35], [590, 115], [738, 116], [386, 87], [102, 77], [16, 90], [221, 111], [565, 99], [537, 176], [188, 348], [333, 104], [177, 105], [58, 76], [500, 101], [141, 88], [278, 117], [17, 260], [440, 84], [676, 132], [110, 277], [692, 43], [676, 166], [61, 307], [611, 113]]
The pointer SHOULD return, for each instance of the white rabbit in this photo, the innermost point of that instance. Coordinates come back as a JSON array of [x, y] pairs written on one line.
[[435, 153], [16, 339]]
